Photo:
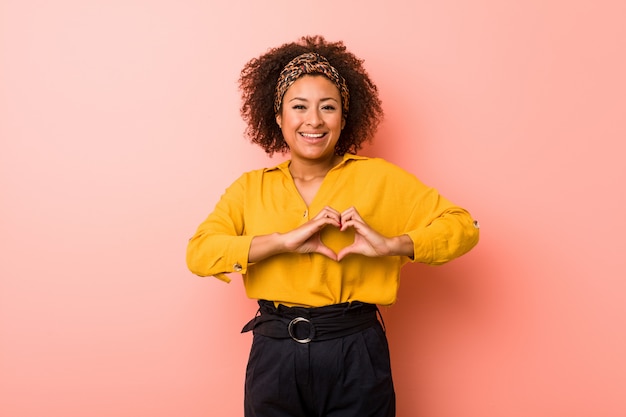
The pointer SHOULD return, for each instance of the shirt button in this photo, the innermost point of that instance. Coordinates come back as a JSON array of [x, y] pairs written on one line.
[[237, 267], [306, 213], [476, 224]]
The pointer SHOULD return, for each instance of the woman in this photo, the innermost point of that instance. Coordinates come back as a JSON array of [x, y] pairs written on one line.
[[320, 238]]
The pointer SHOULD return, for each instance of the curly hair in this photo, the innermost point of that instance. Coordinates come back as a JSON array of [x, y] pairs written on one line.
[[257, 83]]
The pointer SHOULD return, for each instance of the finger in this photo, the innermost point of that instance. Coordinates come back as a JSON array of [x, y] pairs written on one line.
[[345, 252], [329, 217], [326, 251], [328, 212], [356, 222], [350, 214]]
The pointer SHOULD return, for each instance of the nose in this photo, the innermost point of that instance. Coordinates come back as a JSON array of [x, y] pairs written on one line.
[[314, 118]]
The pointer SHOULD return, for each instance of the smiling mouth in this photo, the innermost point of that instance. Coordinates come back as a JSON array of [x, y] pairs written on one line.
[[313, 135]]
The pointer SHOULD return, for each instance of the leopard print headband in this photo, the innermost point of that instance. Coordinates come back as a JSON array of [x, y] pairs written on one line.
[[310, 63]]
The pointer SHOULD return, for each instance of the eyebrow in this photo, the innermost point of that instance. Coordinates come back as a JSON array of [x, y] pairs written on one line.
[[324, 99]]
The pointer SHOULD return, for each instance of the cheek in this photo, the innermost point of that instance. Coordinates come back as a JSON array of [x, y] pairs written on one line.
[[339, 123], [289, 120]]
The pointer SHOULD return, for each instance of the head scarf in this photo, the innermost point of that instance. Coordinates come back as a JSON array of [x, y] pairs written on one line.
[[310, 63]]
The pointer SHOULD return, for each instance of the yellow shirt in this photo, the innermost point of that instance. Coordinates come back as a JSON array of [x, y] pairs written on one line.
[[391, 200]]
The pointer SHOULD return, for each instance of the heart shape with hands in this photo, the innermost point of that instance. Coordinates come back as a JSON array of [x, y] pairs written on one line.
[[337, 235], [335, 239]]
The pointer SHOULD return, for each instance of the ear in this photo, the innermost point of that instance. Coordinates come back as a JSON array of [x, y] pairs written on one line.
[[343, 122], [279, 121]]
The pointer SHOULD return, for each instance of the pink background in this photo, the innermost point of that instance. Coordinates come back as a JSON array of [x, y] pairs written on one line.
[[120, 129]]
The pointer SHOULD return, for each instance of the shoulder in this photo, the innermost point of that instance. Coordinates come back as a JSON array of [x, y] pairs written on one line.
[[260, 173], [374, 165]]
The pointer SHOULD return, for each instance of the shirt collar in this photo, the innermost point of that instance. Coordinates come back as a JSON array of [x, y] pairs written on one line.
[[284, 166]]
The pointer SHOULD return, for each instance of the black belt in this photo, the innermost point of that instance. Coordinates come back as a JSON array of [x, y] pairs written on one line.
[[306, 325]]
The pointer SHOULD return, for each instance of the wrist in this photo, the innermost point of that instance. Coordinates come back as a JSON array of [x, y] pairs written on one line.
[[401, 246], [264, 246]]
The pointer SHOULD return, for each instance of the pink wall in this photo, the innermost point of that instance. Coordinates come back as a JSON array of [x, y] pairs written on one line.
[[119, 129]]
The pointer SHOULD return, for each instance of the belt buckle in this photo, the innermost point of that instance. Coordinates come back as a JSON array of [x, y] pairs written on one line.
[[299, 320]]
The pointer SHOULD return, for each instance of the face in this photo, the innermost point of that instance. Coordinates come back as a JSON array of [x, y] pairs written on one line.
[[311, 118]]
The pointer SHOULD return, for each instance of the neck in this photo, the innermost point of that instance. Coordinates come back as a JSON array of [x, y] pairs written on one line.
[[306, 170]]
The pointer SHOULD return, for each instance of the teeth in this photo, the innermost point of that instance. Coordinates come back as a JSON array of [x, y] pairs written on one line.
[[312, 135]]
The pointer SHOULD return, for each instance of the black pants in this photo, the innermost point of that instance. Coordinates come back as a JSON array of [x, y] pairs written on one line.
[[342, 377]]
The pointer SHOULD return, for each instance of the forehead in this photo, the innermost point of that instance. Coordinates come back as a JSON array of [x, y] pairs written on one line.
[[313, 86]]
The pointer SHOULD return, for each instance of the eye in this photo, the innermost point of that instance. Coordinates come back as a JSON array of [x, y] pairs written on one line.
[[329, 107], [298, 107]]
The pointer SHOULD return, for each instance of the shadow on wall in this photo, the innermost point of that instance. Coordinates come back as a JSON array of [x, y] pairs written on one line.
[[443, 314], [439, 319]]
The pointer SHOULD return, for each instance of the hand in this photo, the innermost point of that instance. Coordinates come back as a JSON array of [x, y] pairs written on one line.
[[367, 241], [306, 238]]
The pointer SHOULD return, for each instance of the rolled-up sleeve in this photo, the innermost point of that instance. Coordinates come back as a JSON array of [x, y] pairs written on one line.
[[219, 246], [441, 231], [447, 237]]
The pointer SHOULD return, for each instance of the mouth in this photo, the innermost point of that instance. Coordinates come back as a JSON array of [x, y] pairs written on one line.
[[312, 136]]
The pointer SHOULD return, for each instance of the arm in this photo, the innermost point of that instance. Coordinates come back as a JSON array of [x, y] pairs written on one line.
[[449, 236], [408, 219], [220, 245], [440, 230], [304, 239], [369, 242]]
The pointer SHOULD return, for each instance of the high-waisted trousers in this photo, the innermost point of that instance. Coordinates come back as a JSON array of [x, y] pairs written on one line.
[[289, 375]]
